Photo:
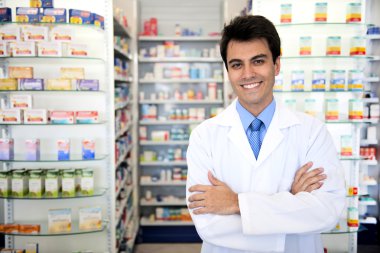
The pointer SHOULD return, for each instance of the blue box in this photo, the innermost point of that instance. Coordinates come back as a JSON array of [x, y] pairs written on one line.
[[5, 14], [27, 15], [41, 3], [98, 20], [53, 15], [80, 17]]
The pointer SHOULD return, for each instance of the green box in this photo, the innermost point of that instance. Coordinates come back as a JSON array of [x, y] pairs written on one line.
[[51, 183], [87, 182], [36, 183], [5, 184], [68, 183], [19, 183]]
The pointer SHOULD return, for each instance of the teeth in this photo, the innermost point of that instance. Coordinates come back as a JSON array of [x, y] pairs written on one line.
[[251, 86]]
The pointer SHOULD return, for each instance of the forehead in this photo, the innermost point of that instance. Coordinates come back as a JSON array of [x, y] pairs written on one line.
[[243, 49]]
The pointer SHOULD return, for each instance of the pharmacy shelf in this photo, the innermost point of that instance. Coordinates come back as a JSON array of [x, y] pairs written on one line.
[[152, 202], [55, 124], [97, 193], [373, 37], [43, 59], [346, 230], [163, 183], [53, 158], [120, 52], [120, 30], [370, 100], [121, 79], [163, 143], [175, 81], [339, 25], [169, 122], [75, 26], [123, 131], [49, 92], [372, 79], [316, 91], [122, 105], [370, 183], [123, 156], [329, 57], [45, 232], [179, 59], [183, 102], [180, 38], [364, 121], [172, 163], [147, 222], [368, 220], [368, 203], [369, 162], [369, 142]]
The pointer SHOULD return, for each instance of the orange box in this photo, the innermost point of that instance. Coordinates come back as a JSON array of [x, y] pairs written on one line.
[[11, 228], [20, 72], [29, 229]]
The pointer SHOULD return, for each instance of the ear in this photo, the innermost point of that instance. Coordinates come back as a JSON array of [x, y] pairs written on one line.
[[277, 66]]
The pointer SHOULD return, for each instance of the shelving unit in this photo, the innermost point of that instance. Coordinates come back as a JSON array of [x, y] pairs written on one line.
[[302, 25]]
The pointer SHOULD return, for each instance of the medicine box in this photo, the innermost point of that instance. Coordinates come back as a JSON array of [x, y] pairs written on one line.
[[35, 33], [62, 117], [86, 117], [51, 183], [63, 150], [5, 14], [20, 72], [32, 147], [11, 33], [87, 182], [63, 34], [87, 85], [41, 3], [53, 15], [49, 49], [98, 20], [31, 84], [80, 17], [68, 183], [4, 49], [23, 48], [76, 50], [88, 149], [5, 184], [8, 84], [27, 15], [90, 218], [21, 101], [10, 116], [19, 183], [58, 84], [59, 220], [35, 116], [72, 73], [36, 183]]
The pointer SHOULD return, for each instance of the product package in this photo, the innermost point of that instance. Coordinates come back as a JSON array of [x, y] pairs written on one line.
[[355, 80], [320, 12], [31, 248], [333, 45], [87, 84], [87, 117], [346, 145], [279, 82], [68, 183], [98, 20], [358, 45], [29, 229], [20, 101], [35, 116], [20, 72], [332, 109], [19, 183], [338, 80], [62, 34], [62, 117], [143, 133], [88, 149], [80, 17], [35, 33], [41, 3], [53, 15], [52, 183], [11, 116], [72, 73], [32, 147], [90, 218], [50, 49], [298, 80], [318, 80], [36, 183], [23, 48], [354, 13], [78, 179], [59, 220], [310, 106], [5, 184], [356, 109], [305, 45], [87, 182], [353, 214], [59, 84], [76, 50], [286, 13], [63, 149], [5, 15], [27, 15], [4, 49], [31, 84], [8, 84], [12, 33]]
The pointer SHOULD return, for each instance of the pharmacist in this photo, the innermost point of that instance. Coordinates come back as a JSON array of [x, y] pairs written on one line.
[[243, 189]]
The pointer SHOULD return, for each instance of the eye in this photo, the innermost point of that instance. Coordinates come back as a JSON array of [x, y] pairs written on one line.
[[236, 65], [258, 62]]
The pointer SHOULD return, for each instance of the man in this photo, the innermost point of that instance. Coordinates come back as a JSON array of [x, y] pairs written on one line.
[[244, 188]]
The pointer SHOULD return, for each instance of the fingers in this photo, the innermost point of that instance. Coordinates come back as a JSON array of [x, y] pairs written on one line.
[[202, 210], [314, 187], [197, 197], [199, 188], [302, 171], [196, 204], [213, 180], [309, 175]]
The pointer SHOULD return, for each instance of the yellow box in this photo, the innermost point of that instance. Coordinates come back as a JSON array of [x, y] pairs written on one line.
[[72, 73], [20, 72], [8, 84], [59, 84]]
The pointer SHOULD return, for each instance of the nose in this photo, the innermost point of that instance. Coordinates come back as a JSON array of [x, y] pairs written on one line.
[[248, 72]]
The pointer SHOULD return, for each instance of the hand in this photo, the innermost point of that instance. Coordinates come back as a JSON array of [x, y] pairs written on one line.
[[217, 198], [307, 181]]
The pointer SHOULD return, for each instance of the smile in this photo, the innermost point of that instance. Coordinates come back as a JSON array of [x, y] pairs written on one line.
[[250, 85]]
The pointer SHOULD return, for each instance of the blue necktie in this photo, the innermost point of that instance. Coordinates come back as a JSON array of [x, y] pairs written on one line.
[[253, 134]]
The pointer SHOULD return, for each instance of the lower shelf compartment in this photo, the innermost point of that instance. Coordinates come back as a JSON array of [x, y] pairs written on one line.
[[167, 234]]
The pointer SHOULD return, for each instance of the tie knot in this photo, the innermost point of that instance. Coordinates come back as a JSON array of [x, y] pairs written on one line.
[[256, 124]]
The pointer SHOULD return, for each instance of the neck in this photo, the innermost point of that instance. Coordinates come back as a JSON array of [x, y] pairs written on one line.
[[256, 109]]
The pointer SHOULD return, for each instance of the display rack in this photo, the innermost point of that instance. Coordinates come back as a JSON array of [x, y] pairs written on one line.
[[302, 24]]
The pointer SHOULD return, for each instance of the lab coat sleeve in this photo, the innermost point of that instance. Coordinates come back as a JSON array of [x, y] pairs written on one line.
[[304, 212], [221, 230]]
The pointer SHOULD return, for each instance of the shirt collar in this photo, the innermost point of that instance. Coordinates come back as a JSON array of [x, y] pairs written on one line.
[[265, 116]]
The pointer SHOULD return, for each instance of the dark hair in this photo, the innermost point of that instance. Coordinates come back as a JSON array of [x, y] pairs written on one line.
[[247, 28]]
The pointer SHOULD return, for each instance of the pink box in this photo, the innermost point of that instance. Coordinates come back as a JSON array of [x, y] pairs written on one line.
[[32, 147], [62, 117]]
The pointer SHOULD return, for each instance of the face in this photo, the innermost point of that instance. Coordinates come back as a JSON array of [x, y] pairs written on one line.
[[251, 72]]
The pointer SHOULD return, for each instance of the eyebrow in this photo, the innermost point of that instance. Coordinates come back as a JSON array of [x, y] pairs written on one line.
[[252, 59]]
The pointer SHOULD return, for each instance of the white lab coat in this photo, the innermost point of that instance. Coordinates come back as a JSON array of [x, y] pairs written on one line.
[[271, 218]]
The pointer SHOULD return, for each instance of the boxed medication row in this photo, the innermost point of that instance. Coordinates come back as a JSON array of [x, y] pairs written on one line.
[[36, 33], [20, 228], [49, 84]]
